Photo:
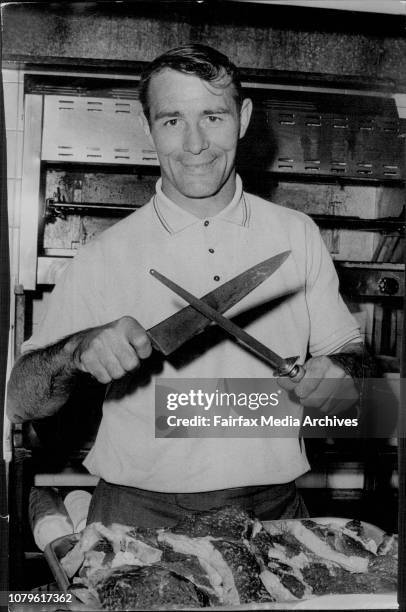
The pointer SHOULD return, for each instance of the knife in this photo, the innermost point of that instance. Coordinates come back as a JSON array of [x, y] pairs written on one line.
[[283, 367], [174, 331]]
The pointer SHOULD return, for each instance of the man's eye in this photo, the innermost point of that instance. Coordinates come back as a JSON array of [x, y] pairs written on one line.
[[171, 122], [213, 118]]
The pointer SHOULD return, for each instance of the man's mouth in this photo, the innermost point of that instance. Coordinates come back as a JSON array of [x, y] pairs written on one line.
[[198, 167]]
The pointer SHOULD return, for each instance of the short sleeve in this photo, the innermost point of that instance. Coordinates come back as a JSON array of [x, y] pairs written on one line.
[[76, 302], [331, 324]]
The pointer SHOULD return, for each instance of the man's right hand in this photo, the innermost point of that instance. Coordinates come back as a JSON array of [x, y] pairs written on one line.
[[110, 351]]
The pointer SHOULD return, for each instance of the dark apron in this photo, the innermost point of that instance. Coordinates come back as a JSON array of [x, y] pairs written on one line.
[[130, 506]]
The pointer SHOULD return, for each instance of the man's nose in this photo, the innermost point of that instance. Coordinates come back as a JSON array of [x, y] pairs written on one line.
[[195, 140]]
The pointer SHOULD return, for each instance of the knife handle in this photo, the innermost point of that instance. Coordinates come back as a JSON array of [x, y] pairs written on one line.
[[297, 372]]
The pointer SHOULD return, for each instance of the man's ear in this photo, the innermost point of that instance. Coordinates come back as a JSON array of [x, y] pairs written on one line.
[[245, 115]]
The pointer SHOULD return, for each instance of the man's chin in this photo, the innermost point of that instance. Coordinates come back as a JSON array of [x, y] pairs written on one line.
[[200, 190]]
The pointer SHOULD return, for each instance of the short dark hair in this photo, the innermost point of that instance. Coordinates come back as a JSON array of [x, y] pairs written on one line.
[[197, 60]]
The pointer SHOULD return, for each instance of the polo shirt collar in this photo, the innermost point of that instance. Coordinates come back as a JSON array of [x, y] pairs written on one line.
[[175, 219]]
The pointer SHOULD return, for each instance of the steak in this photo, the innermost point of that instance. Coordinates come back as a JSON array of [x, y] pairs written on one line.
[[226, 557], [283, 558], [228, 522], [245, 570], [190, 567], [338, 580], [149, 587], [211, 560], [319, 542], [347, 539]]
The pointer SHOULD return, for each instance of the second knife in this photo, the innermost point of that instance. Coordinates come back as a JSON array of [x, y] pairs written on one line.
[[282, 367]]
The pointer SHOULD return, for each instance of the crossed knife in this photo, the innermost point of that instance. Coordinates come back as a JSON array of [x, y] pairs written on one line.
[[174, 331]]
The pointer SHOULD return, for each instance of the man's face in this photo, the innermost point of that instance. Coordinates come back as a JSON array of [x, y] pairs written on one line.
[[195, 127]]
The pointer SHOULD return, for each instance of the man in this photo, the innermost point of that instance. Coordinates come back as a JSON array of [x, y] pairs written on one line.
[[201, 230]]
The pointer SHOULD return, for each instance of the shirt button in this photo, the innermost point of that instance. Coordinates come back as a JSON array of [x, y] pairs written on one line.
[[206, 223], [216, 278], [211, 250]]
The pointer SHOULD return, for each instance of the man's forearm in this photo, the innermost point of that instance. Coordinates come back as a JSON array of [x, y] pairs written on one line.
[[356, 361], [41, 382]]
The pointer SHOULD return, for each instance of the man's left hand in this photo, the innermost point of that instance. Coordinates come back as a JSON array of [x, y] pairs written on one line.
[[325, 385]]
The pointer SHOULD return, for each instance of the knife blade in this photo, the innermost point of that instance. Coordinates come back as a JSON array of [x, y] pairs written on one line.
[[283, 367], [170, 334]]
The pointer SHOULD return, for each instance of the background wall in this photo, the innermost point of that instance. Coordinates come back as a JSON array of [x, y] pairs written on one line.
[[255, 36]]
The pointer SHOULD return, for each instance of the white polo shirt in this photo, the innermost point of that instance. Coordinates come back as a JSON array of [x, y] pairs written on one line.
[[109, 278]]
